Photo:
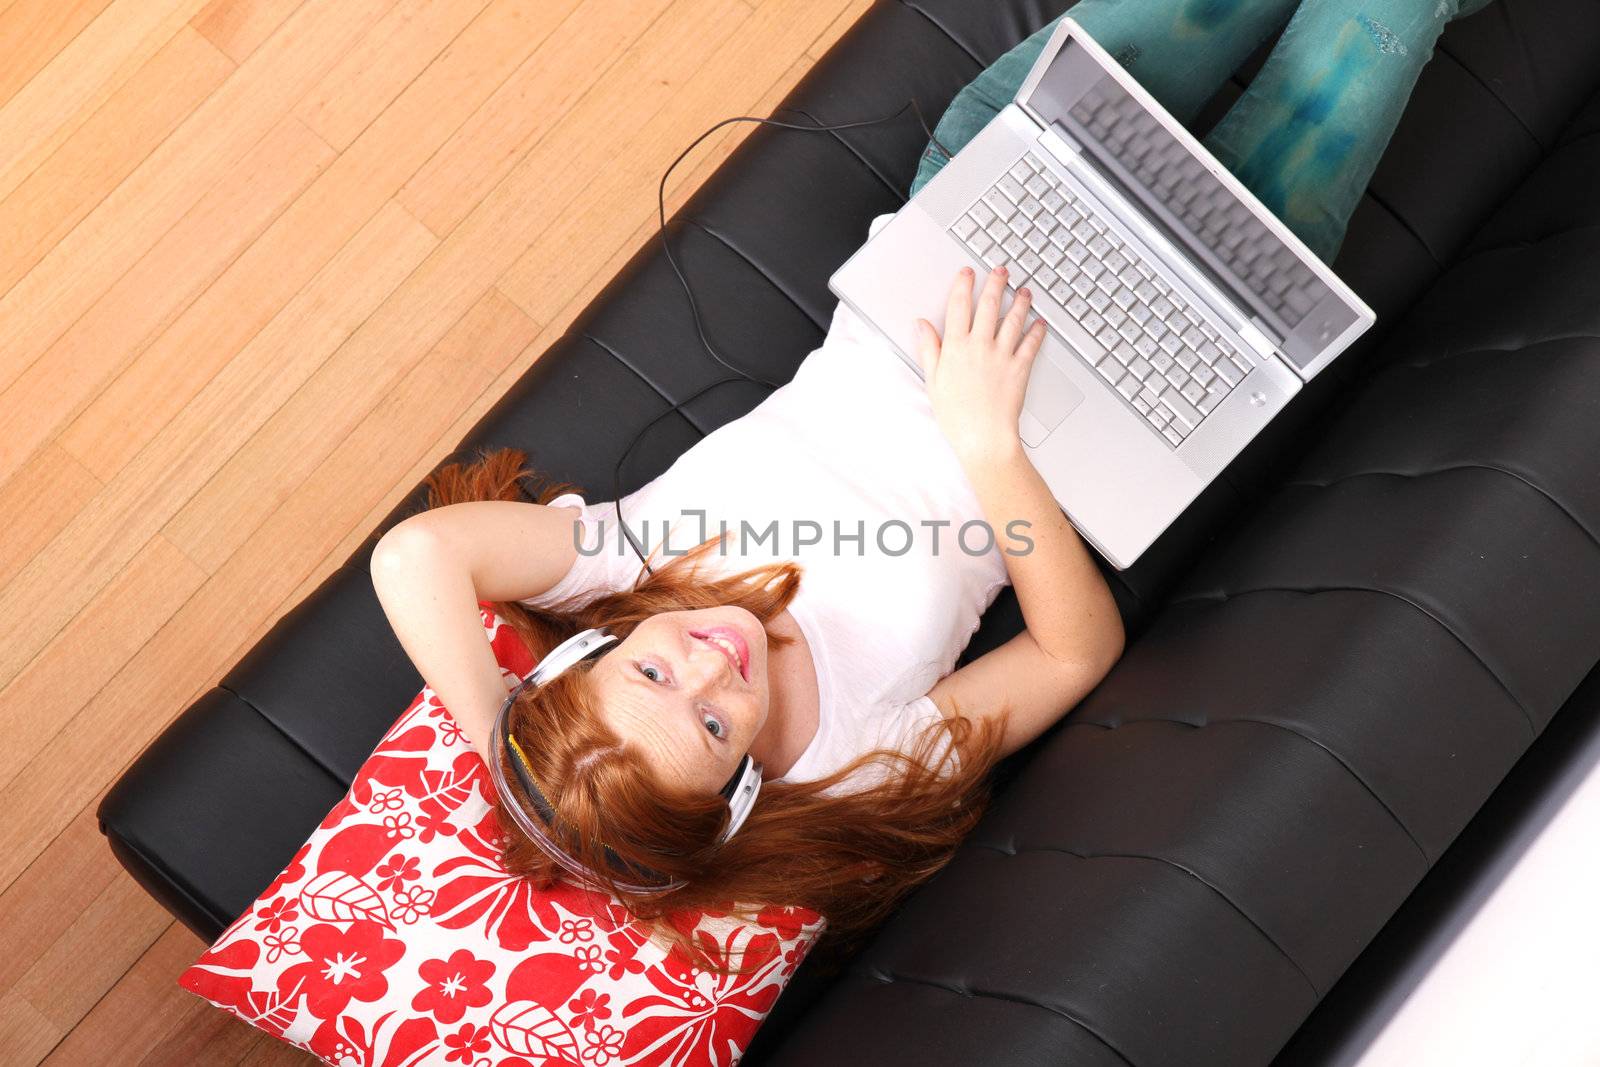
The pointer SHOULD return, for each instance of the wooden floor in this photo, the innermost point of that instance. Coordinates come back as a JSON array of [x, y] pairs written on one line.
[[262, 264]]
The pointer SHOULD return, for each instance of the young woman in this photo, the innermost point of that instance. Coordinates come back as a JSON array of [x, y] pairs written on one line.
[[851, 530]]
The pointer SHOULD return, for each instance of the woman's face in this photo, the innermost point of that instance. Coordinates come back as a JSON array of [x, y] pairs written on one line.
[[690, 689]]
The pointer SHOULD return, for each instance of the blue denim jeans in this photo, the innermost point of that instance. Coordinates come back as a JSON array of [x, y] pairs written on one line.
[[1308, 131]]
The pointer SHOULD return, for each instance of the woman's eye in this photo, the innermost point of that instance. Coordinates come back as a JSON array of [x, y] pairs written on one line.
[[714, 725], [650, 672]]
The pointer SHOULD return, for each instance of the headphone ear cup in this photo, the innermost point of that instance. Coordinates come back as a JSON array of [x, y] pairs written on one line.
[[746, 787], [732, 784]]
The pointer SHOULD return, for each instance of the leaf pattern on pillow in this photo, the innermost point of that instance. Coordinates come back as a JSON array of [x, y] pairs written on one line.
[[394, 938]]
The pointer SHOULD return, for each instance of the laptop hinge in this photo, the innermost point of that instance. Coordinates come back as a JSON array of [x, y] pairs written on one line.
[[1060, 143], [1257, 340]]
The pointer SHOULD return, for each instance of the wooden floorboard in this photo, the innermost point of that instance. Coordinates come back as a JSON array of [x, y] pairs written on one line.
[[266, 262]]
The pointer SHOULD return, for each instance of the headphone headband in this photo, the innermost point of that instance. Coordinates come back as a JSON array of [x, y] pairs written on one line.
[[740, 790]]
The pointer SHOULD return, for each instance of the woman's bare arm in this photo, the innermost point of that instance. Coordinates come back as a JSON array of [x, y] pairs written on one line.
[[976, 377], [512, 549], [1065, 601], [429, 572], [1074, 632], [1035, 688]]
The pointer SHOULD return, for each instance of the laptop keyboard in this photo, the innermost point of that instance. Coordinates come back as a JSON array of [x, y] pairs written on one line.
[[1242, 241], [1166, 361]]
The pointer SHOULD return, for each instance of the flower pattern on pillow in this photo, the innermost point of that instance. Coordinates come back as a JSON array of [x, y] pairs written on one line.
[[394, 937]]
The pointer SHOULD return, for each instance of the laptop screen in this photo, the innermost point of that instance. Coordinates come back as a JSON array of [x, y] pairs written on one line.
[[1136, 153]]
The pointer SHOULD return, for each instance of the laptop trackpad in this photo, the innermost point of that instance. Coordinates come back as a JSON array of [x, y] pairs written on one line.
[[1050, 397]]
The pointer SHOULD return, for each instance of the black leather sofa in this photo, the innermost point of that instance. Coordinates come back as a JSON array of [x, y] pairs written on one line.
[[1335, 657]]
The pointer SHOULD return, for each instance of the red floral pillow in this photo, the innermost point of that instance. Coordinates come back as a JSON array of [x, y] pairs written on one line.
[[395, 937]]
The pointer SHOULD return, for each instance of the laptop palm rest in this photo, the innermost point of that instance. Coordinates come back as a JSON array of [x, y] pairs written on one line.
[[1051, 396]]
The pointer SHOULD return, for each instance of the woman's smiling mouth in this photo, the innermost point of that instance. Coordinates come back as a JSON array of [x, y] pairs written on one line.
[[731, 643]]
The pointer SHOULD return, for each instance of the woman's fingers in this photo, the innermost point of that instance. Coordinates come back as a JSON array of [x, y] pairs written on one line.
[[958, 309], [1032, 341], [988, 314], [1011, 326]]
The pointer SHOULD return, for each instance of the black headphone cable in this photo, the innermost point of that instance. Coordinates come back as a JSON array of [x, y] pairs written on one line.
[[694, 309]]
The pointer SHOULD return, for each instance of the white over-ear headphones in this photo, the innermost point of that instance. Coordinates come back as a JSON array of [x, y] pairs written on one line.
[[740, 791]]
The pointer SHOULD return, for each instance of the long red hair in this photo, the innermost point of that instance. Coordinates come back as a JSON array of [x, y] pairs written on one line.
[[851, 858]]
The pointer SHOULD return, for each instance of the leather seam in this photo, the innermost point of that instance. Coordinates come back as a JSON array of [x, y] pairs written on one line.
[[1512, 246], [1405, 224], [160, 868], [753, 265], [1561, 146], [848, 147], [887, 978], [1460, 467], [1169, 863], [1223, 597], [936, 24], [1540, 145], [1518, 348], [652, 386], [329, 771], [1295, 733]]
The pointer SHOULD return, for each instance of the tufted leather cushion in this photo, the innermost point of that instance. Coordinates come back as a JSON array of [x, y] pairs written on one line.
[[1324, 679]]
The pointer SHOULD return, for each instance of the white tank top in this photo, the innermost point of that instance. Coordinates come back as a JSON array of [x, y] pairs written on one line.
[[849, 443]]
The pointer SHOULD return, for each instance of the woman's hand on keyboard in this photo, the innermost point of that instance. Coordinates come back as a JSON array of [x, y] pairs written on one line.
[[977, 374]]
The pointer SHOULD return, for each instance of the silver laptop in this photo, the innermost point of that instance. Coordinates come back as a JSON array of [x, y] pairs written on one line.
[[1182, 313]]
